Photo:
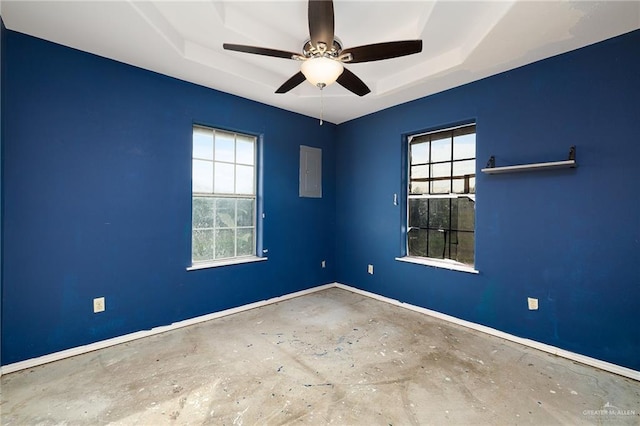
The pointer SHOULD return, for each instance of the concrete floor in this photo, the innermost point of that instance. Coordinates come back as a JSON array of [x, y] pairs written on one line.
[[332, 357]]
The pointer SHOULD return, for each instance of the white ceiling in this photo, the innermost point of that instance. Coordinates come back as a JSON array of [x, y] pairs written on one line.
[[463, 41]]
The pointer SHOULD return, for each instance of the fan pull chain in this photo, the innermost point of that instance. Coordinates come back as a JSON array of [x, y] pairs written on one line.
[[321, 105], [321, 86]]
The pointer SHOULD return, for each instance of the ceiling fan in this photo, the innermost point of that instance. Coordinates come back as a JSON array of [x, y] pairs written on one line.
[[323, 56]]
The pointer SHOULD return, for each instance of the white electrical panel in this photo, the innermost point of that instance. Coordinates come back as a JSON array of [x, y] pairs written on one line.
[[310, 172]]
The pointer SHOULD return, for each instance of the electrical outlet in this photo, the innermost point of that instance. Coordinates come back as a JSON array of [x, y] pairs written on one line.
[[98, 305], [370, 269], [324, 263], [533, 303]]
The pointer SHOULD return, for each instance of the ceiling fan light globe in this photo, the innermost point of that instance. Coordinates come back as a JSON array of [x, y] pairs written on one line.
[[321, 71]]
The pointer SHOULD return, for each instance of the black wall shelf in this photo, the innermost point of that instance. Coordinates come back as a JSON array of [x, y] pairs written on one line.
[[551, 165]]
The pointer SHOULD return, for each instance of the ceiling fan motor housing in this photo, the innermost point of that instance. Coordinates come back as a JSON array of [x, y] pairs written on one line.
[[311, 51]]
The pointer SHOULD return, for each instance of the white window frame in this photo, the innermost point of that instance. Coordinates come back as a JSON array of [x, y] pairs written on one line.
[[228, 195], [429, 261]]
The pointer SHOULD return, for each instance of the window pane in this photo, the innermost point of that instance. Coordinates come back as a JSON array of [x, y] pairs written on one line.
[[224, 178], [452, 245], [436, 247], [202, 176], [419, 187], [464, 185], [420, 153], [245, 150], [245, 242], [439, 211], [419, 172], [440, 186], [465, 247], [466, 182], [441, 170], [465, 214], [202, 245], [225, 243], [225, 213], [245, 212], [203, 212], [203, 143], [472, 185], [441, 150], [461, 186], [461, 168], [225, 146], [418, 213], [464, 146], [244, 180], [417, 242]]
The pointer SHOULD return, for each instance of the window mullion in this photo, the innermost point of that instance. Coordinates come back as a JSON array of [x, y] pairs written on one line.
[[215, 229], [449, 230], [451, 167], [213, 177], [450, 224], [430, 176], [235, 228]]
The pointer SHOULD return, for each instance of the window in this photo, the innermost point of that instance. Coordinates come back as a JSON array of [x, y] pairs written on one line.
[[223, 196], [441, 196]]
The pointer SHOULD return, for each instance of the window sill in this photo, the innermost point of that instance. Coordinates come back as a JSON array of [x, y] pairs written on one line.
[[225, 262], [439, 263]]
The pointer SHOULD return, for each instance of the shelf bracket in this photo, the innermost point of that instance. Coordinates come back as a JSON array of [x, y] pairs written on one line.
[[491, 163]]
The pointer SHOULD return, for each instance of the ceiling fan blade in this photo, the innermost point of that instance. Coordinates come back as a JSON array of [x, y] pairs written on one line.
[[351, 82], [291, 83], [321, 22], [260, 51], [379, 51]]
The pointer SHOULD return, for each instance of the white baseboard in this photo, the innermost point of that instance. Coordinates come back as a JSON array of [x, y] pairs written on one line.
[[593, 362], [56, 356]]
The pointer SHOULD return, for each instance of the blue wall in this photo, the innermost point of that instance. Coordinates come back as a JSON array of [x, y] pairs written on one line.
[[2, 32], [97, 167], [570, 238], [96, 187]]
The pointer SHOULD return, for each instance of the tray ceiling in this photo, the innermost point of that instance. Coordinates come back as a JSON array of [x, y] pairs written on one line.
[[463, 41]]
